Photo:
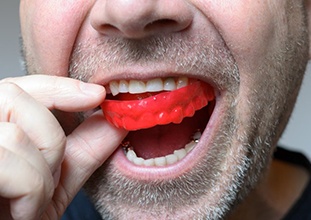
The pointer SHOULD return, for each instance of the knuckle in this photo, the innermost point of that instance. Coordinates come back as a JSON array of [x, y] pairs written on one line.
[[11, 132], [59, 139], [10, 92], [42, 185], [38, 184], [7, 80], [62, 140], [42, 188], [10, 86], [55, 148], [4, 154]]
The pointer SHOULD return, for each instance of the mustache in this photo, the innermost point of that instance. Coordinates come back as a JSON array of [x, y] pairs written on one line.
[[199, 55]]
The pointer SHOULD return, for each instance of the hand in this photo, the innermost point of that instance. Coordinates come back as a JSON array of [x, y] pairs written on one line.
[[41, 169]]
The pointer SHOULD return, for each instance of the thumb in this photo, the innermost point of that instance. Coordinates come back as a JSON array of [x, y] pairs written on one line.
[[87, 148]]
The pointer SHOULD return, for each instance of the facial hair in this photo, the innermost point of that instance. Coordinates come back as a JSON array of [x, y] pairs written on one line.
[[239, 153], [114, 194]]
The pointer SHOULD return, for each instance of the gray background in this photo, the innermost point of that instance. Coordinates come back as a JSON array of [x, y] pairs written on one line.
[[296, 136]]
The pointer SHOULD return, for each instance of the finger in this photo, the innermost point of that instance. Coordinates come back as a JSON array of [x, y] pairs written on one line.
[[61, 93], [23, 185], [17, 141], [87, 148], [34, 119]]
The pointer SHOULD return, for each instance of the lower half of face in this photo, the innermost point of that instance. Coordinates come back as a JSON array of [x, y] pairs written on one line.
[[208, 127], [200, 166]]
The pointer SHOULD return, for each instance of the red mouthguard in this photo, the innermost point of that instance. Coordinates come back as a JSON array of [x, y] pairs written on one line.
[[160, 109]]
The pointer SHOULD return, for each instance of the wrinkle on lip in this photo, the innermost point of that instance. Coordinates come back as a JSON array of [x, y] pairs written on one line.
[[160, 109]]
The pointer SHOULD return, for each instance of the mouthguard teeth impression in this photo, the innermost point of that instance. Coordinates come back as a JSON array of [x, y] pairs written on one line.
[[160, 109]]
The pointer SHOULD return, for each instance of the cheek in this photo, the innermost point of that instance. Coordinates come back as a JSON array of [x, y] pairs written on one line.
[[248, 27], [251, 31], [49, 30]]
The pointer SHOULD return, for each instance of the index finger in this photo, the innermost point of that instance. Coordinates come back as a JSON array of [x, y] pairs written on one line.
[[60, 93]]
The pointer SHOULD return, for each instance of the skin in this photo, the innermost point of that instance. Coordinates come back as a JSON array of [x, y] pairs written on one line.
[[262, 46]]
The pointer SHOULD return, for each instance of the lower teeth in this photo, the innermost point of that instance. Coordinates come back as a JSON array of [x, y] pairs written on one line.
[[165, 160]]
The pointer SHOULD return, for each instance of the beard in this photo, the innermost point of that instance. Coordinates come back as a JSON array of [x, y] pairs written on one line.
[[242, 147], [116, 195]]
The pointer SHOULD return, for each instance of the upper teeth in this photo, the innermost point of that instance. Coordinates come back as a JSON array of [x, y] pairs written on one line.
[[154, 85]]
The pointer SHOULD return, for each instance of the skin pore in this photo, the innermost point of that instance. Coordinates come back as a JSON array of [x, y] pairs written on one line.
[[253, 52]]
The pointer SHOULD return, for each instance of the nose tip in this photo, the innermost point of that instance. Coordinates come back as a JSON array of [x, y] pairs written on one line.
[[140, 18]]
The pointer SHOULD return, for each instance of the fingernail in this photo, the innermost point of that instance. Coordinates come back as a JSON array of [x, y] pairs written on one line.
[[91, 89]]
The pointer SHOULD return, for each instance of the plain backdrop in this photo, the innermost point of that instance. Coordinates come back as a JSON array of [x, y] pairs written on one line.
[[296, 136]]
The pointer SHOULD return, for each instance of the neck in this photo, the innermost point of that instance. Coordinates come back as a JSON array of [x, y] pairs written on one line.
[[279, 190]]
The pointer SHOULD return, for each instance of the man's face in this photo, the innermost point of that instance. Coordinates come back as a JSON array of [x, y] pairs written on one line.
[[251, 53]]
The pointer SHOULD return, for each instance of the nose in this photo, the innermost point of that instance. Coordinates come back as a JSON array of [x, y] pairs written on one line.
[[140, 18]]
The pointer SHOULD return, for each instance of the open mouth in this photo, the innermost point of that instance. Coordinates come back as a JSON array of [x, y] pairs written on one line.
[[165, 117]]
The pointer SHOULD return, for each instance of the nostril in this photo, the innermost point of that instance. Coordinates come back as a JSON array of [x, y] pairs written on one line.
[[134, 31], [108, 28], [140, 18], [161, 24]]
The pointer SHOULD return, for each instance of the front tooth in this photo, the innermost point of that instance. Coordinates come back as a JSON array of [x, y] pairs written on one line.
[[171, 159], [154, 85], [160, 161], [114, 88], [182, 82], [169, 84], [136, 87], [123, 86], [149, 162], [181, 153]]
